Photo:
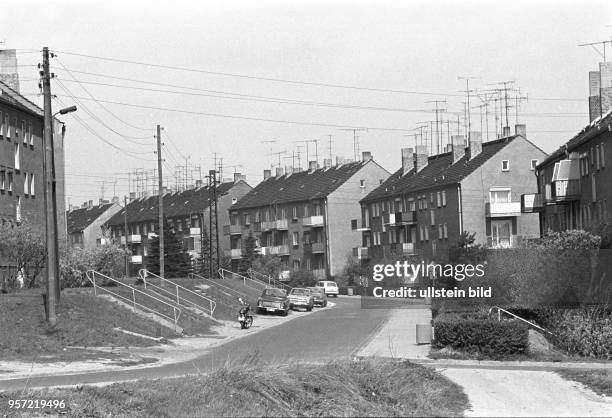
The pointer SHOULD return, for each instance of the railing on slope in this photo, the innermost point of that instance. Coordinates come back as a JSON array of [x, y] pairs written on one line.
[[500, 310], [215, 283], [270, 281], [173, 291], [91, 276], [253, 284]]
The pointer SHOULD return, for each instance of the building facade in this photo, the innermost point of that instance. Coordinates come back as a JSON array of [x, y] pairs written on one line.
[[186, 212], [301, 216], [575, 182], [86, 223], [423, 208]]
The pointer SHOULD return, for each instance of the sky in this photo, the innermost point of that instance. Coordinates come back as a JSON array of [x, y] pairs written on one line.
[[236, 81]]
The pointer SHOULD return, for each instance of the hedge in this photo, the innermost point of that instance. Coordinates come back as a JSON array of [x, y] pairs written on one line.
[[476, 333]]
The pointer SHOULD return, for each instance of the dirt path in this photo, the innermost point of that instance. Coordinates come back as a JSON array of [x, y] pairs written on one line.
[[522, 393]]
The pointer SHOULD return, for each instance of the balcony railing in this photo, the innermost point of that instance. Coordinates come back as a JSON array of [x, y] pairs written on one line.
[[282, 249], [363, 225], [403, 248], [268, 225], [532, 202], [235, 253], [565, 190], [399, 218], [361, 253], [136, 259], [500, 209], [194, 231], [319, 274], [232, 229], [317, 247], [282, 224], [313, 221]]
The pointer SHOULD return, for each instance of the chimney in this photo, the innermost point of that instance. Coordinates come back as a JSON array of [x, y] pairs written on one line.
[[90, 204], [521, 129], [327, 163], [279, 171], [84, 205], [448, 148], [407, 160], [339, 160], [8, 68], [132, 196], [115, 199], [289, 170], [475, 144], [312, 166], [506, 132], [267, 174], [237, 177], [421, 157], [366, 156], [164, 191]]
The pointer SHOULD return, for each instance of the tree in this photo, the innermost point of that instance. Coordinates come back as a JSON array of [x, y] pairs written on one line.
[[250, 253], [24, 247], [177, 262], [202, 261], [270, 265], [302, 278]]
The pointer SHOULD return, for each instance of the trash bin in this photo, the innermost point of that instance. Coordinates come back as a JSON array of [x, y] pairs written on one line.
[[349, 291], [423, 333]]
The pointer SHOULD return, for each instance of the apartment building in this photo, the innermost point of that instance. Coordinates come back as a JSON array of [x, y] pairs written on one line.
[[301, 216], [422, 209], [575, 182], [186, 211], [86, 223]]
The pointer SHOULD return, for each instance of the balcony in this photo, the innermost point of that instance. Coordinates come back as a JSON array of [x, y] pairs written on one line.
[[132, 239], [319, 274], [313, 221], [268, 225], [282, 249], [194, 231], [282, 224], [403, 248], [235, 253], [361, 253], [502, 209], [532, 202], [136, 259], [232, 230], [365, 225], [317, 248], [565, 190], [256, 226], [399, 218]]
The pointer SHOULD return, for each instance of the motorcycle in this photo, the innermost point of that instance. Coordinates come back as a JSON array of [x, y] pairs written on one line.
[[244, 315]]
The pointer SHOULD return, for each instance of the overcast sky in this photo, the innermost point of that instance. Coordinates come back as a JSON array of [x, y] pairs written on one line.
[[391, 50]]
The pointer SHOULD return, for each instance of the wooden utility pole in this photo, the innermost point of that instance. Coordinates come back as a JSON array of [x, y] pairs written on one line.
[[49, 196], [160, 192], [125, 232]]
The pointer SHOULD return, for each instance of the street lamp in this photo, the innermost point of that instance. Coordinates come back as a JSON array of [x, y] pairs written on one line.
[[65, 110]]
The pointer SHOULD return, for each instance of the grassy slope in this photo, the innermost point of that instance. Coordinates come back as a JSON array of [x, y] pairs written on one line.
[[83, 320], [337, 389], [599, 381]]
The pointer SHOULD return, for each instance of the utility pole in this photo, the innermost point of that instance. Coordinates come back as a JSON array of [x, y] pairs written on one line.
[[49, 196], [160, 192], [213, 242], [125, 232]]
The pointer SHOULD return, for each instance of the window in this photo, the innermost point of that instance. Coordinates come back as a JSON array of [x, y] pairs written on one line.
[[439, 199], [7, 126], [26, 184], [296, 264], [247, 219], [17, 156], [179, 225], [18, 210], [597, 157], [444, 198], [440, 231], [23, 132], [433, 217], [431, 198], [257, 216], [295, 238], [603, 155], [445, 230], [591, 156], [534, 164], [306, 210], [144, 229], [294, 214], [30, 134], [362, 184], [10, 182], [2, 180], [505, 165], [500, 196], [1, 124], [353, 224]]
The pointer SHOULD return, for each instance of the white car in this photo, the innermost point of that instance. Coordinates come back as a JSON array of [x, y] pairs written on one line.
[[331, 288]]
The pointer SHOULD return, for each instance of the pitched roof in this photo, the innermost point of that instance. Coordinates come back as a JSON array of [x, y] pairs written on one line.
[[79, 219], [14, 97], [175, 205], [439, 171], [587, 133], [299, 186]]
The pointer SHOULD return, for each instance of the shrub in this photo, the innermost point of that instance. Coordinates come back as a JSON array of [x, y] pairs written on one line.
[[476, 333], [107, 259], [302, 278]]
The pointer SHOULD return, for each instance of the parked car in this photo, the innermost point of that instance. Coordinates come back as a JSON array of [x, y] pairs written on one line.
[[319, 296], [273, 300], [331, 288], [301, 297]]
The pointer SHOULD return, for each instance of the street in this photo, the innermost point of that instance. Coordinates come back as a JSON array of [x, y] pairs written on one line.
[[331, 334]]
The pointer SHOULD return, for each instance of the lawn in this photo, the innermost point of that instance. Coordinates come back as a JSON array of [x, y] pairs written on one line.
[[599, 381], [83, 321], [338, 389]]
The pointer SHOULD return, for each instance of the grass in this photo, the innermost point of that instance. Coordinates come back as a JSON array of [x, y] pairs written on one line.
[[337, 389], [83, 321], [599, 381]]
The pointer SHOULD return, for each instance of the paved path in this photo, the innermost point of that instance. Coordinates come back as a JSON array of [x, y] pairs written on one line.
[[322, 336], [526, 393]]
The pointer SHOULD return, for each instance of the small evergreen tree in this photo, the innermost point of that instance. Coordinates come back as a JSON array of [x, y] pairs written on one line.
[[250, 253], [202, 263], [177, 262]]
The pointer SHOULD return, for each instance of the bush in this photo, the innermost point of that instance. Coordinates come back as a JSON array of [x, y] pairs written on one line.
[[107, 259], [302, 278], [476, 333]]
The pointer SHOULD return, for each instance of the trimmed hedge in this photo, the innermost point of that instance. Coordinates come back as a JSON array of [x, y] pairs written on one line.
[[476, 333]]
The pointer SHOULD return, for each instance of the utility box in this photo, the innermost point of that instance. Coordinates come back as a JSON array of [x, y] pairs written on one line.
[[423, 333], [349, 291]]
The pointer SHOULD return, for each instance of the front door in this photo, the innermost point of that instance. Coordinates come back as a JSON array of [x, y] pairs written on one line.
[[500, 233]]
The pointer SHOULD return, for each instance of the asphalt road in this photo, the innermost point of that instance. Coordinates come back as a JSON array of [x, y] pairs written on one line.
[[330, 334]]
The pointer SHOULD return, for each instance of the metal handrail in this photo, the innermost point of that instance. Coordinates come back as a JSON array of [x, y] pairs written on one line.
[[90, 274], [143, 273], [223, 271], [500, 310], [253, 274], [217, 284]]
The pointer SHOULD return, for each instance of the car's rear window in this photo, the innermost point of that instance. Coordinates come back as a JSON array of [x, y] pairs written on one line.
[[274, 292], [318, 290], [300, 292]]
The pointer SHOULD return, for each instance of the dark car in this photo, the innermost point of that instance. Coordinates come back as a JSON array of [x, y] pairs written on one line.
[[319, 296], [273, 300]]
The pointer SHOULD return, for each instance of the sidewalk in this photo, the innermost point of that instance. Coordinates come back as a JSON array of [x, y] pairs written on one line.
[[397, 337]]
